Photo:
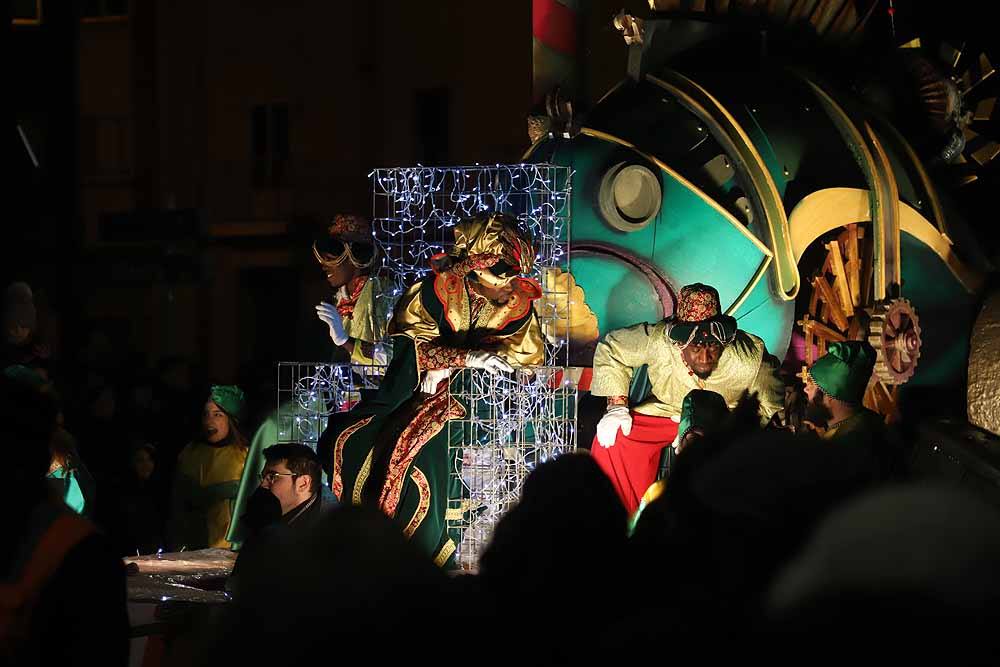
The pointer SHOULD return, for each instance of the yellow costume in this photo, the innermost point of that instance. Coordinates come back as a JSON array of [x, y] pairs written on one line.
[[208, 478], [739, 369]]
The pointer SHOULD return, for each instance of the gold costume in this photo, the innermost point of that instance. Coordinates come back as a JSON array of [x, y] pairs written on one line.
[[624, 350], [366, 322], [522, 347]]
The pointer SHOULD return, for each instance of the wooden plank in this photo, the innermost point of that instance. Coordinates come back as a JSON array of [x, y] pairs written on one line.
[[813, 302], [853, 265], [840, 285], [822, 331], [810, 341], [821, 345], [824, 312], [826, 293]]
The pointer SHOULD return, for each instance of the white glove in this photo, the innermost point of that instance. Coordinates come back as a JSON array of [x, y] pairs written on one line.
[[331, 316], [607, 429], [488, 361]]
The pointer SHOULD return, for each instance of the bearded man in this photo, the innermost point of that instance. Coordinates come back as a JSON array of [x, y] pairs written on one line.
[[835, 387]]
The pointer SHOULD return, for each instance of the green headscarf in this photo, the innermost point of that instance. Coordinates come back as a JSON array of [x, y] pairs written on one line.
[[844, 371], [701, 409], [230, 398]]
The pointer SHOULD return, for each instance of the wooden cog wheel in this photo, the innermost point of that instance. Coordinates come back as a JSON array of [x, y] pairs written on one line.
[[842, 307]]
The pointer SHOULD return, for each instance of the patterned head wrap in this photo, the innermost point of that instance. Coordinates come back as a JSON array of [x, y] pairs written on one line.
[[699, 316], [483, 243], [348, 227]]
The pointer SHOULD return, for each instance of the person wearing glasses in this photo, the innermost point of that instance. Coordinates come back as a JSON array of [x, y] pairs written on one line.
[[286, 506], [699, 347], [292, 474], [356, 320]]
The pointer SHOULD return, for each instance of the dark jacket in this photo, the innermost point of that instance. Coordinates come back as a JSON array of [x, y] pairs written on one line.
[[268, 531]]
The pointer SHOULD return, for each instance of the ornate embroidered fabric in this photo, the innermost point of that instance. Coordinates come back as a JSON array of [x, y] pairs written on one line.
[[337, 483], [353, 289], [428, 421], [424, 490], [431, 356]]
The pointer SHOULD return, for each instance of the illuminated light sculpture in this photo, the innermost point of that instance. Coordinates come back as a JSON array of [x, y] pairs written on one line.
[[514, 421], [517, 421], [415, 208], [309, 392]]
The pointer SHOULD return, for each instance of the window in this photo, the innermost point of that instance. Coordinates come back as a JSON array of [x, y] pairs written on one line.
[[269, 145], [104, 10], [26, 12]]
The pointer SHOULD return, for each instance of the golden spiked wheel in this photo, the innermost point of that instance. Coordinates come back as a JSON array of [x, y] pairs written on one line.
[[842, 307]]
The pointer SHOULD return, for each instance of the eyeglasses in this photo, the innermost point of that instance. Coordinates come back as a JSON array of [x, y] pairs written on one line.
[[270, 475]]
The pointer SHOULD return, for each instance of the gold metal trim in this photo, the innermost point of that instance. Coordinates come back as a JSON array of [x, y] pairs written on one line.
[[728, 131], [825, 210], [611, 90], [891, 228], [859, 147], [532, 147], [761, 270], [604, 136], [937, 214]]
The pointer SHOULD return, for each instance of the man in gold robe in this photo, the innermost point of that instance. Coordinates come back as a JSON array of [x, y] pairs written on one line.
[[698, 348], [474, 311]]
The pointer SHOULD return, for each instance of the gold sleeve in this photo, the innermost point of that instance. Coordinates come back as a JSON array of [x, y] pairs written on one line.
[[769, 387], [368, 322], [524, 347], [617, 357], [411, 318]]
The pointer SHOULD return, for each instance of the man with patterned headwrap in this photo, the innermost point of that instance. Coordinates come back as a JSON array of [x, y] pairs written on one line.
[[698, 348], [474, 311], [346, 254]]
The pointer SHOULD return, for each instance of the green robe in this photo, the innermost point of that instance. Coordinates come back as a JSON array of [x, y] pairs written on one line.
[[401, 436]]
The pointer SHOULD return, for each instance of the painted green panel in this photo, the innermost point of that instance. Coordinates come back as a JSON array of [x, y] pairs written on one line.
[[617, 293], [946, 313], [690, 241], [767, 316]]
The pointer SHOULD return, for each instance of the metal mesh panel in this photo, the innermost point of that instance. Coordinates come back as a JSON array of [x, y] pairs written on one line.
[[415, 208], [309, 392], [513, 422]]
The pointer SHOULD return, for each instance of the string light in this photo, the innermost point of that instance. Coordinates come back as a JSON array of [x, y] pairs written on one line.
[[415, 208], [308, 393], [514, 423]]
